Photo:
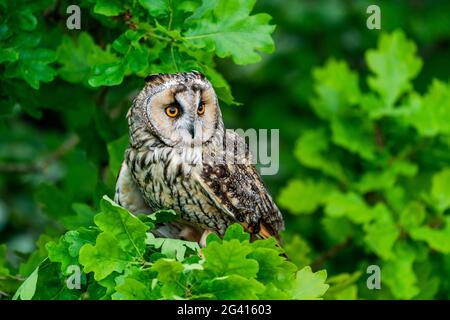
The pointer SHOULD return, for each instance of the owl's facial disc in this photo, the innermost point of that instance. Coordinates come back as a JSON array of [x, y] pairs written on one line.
[[183, 115]]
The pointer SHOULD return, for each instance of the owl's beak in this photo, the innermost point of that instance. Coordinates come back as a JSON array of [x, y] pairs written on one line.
[[191, 130]]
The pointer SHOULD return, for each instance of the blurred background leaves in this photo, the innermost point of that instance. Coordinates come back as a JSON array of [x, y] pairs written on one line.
[[363, 117]]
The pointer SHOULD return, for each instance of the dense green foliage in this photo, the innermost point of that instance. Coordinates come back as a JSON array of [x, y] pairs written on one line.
[[365, 147], [124, 261], [381, 206]]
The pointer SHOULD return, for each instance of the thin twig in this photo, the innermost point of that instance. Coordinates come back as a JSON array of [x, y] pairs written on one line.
[[42, 165], [173, 58], [169, 27], [333, 251], [379, 141], [154, 35]]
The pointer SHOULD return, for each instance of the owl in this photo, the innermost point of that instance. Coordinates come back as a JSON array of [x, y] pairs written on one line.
[[181, 157]]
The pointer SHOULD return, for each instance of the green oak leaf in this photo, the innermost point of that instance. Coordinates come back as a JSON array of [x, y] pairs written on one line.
[[236, 231], [298, 250], [109, 74], [336, 88], [78, 57], [338, 229], [312, 150], [394, 64], [310, 285], [413, 215], [232, 287], [172, 248], [161, 216], [138, 59], [349, 205], [304, 196], [429, 114], [108, 7], [382, 180], [229, 258], [66, 251], [428, 281], [343, 287], [398, 273], [126, 228], [8, 55], [58, 252], [354, 135], [440, 190], [132, 289], [106, 287], [156, 7], [437, 239], [228, 29], [136, 284], [136, 55], [105, 257], [220, 84], [171, 278], [381, 232], [28, 288], [174, 12], [26, 20], [33, 66], [273, 268]]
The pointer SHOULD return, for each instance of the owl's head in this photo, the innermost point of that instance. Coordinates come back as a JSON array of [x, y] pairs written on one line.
[[179, 108]]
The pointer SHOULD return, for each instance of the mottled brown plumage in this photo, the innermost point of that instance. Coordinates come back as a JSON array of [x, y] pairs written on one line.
[[190, 163]]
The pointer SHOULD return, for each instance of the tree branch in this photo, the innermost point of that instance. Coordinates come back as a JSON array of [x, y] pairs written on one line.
[[333, 251], [379, 140], [42, 165]]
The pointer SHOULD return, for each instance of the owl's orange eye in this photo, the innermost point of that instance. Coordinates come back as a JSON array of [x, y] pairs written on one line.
[[201, 108], [173, 111]]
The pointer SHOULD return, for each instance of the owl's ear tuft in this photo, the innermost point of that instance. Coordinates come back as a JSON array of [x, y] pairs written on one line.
[[199, 74], [153, 77]]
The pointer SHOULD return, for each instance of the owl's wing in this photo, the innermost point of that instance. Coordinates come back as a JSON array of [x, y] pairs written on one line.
[[129, 196], [127, 193], [237, 190]]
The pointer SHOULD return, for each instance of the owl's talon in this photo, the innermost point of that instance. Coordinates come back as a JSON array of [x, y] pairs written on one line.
[[205, 235], [188, 233]]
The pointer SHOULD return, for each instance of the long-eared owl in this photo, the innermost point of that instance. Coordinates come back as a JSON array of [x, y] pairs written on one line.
[[181, 157]]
